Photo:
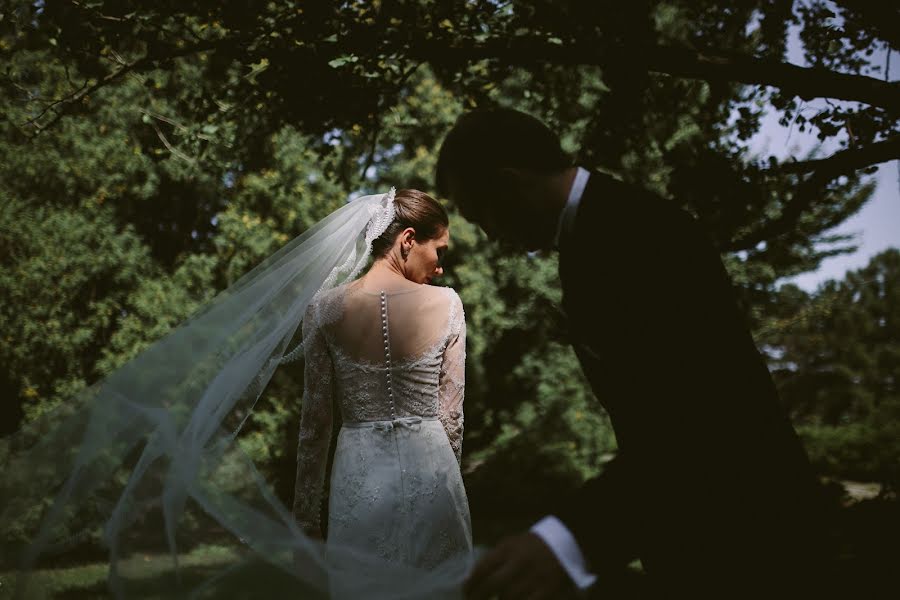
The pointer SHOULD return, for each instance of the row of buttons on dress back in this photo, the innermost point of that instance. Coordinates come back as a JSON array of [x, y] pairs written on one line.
[[387, 352]]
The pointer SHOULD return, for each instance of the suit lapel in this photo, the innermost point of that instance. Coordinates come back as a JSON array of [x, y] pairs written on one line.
[[571, 256], [568, 243]]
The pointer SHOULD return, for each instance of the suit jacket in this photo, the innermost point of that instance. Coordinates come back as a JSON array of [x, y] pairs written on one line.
[[711, 486]]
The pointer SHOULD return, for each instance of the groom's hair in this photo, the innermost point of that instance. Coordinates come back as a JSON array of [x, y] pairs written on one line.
[[415, 209], [485, 140]]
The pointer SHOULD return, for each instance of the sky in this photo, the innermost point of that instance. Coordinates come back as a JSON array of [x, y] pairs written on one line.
[[877, 225]]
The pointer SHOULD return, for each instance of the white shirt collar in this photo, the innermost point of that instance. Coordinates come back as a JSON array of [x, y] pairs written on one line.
[[568, 212]]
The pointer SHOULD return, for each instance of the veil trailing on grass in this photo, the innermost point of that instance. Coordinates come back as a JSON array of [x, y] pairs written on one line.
[[146, 459]]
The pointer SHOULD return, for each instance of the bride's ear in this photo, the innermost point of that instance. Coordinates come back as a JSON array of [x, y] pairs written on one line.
[[407, 237]]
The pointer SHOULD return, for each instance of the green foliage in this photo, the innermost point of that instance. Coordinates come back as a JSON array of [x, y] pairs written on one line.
[[66, 278], [835, 356]]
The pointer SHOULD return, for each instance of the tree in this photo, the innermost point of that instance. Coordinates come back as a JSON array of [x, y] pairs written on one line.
[[835, 358], [712, 68]]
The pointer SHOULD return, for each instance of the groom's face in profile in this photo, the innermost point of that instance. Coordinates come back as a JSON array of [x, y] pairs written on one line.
[[502, 210]]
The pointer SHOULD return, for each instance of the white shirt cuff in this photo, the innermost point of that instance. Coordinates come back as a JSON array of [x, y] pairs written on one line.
[[563, 545]]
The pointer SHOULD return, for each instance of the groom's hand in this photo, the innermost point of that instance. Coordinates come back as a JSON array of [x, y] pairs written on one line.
[[521, 566]]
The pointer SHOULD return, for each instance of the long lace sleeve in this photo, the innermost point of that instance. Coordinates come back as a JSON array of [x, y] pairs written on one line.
[[453, 378], [315, 429]]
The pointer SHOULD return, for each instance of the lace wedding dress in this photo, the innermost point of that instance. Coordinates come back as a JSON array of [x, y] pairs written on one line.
[[393, 362], [147, 457]]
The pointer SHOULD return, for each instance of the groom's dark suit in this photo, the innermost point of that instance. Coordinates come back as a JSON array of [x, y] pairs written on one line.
[[711, 489]]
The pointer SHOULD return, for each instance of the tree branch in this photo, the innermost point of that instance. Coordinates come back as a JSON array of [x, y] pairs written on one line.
[[147, 62], [100, 15], [175, 151], [805, 82], [680, 62], [824, 171], [848, 160]]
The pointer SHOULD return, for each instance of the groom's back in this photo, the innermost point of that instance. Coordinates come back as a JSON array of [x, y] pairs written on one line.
[[721, 482]]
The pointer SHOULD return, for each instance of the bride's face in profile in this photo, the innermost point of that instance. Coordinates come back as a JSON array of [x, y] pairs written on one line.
[[424, 259]]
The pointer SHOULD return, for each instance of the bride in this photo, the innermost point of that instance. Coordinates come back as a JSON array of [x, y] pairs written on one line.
[[145, 460], [390, 350]]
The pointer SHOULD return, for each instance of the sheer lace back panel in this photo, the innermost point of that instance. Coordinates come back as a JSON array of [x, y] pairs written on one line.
[[388, 349]]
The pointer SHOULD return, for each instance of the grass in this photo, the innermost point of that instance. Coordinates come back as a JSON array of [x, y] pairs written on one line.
[[148, 574], [866, 529]]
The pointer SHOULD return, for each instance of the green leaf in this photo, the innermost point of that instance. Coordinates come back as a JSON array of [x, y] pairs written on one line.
[[342, 60]]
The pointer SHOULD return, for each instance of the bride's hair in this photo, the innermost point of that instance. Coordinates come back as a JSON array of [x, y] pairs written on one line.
[[415, 209]]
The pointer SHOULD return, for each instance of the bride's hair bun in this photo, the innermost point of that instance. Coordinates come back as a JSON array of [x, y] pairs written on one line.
[[415, 209]]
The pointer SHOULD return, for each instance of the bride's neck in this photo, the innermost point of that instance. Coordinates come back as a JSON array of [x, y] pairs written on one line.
[[386, 271]]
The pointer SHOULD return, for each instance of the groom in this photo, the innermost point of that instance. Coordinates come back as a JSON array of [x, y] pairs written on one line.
[[711, 488]]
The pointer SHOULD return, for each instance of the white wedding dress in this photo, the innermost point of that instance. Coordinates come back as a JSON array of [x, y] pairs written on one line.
[[147, 457], [393, 361]]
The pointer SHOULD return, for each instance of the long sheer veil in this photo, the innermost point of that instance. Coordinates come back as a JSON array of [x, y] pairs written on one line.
[[152, 445]]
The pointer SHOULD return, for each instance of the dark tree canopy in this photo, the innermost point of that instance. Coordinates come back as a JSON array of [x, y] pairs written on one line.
[[324, 64], [325, 67]]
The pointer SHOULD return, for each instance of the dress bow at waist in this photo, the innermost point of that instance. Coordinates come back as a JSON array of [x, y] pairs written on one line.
[[388, 425]]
